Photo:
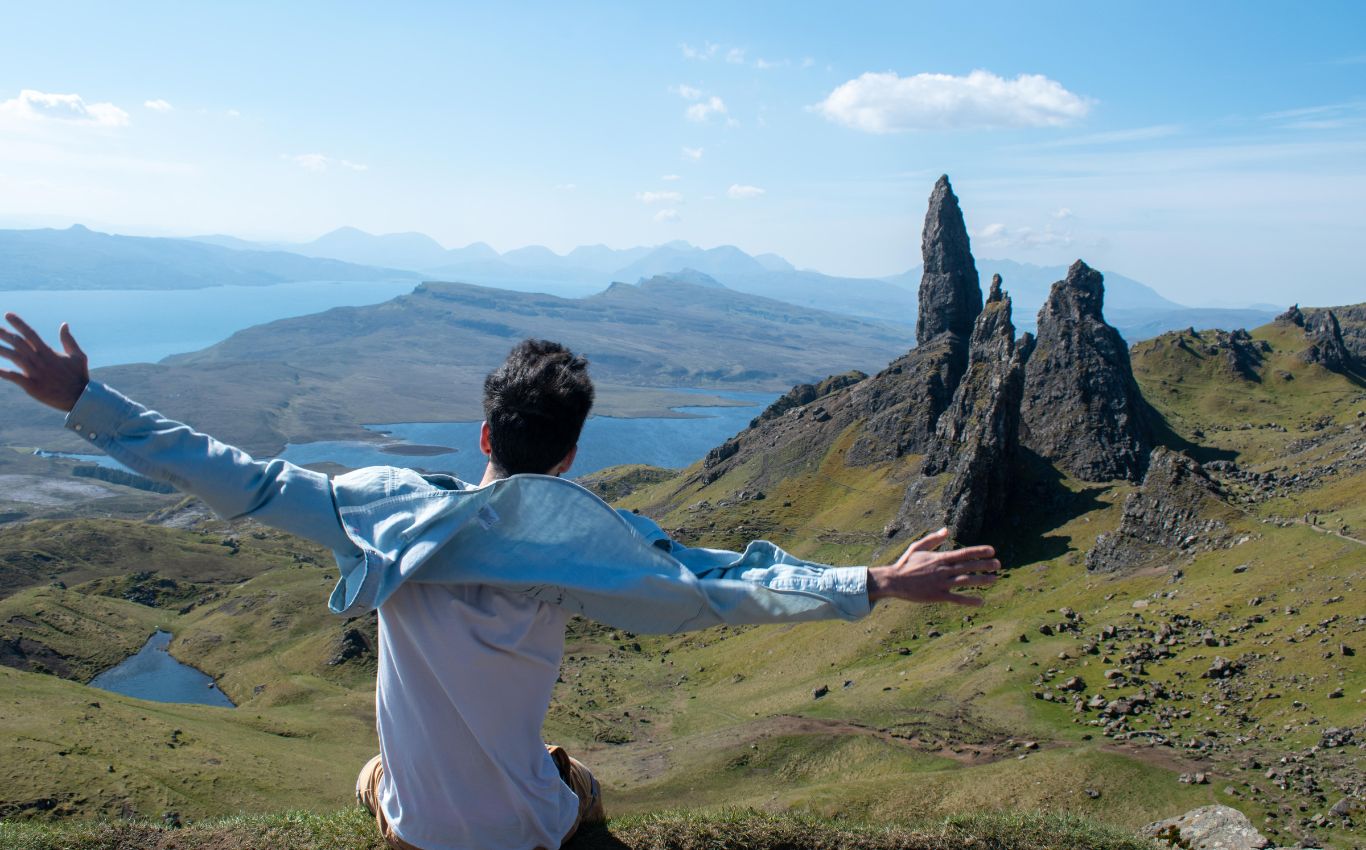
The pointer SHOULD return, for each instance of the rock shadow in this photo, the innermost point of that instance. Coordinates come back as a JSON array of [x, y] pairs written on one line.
[[1039, 502]]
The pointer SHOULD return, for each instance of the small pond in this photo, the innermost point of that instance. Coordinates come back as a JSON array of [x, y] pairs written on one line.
[[154, 674]]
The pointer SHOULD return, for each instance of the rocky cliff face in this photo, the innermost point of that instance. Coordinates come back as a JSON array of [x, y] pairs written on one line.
[[1327, 347], [1351, 320], [1173, 514], [1082, 408], [950, 290], [977, 436]]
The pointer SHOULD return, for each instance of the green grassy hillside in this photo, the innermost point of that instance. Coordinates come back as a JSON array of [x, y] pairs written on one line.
[[1068, 692]]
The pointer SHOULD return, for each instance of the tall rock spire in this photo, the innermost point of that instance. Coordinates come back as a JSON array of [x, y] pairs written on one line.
[[950, 291], [977, 436], [1082, 408]]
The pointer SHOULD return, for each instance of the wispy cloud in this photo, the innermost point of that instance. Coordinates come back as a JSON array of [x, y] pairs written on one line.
[[158, 105], [35, 107], [693, 154], [686, 91], [319, 163], [671, 177], [738, 192], [1328, 116], [702, 111], [701, 54], [888, 103], [1115, 137], [1004, 236], [667, 216], [736, 56], [566, 187], [659, 197]]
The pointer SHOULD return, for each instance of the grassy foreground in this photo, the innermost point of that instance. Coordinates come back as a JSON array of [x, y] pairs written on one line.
[[353, 829]]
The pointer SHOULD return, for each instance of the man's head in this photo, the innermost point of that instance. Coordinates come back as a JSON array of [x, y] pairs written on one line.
[[535, 405]]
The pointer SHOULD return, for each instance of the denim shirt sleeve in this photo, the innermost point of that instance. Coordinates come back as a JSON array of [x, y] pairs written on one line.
[[276, 493]]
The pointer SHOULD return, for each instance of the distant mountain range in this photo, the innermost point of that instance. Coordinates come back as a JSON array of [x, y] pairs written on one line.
[[1137, 310], [78, 258]]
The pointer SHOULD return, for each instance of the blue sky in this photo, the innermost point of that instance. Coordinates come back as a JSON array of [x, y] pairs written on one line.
[[1216, 151]]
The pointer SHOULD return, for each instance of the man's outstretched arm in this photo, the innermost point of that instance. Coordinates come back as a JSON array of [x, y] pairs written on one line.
[[227, 479]]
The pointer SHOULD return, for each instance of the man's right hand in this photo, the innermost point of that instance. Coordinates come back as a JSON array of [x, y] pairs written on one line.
[[924, 575], [56, 380]]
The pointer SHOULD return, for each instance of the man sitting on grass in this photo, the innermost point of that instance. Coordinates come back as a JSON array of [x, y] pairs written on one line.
[[474, 584]]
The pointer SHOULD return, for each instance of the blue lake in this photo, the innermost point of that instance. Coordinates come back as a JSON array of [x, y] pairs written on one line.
[[154, 674], [143, 326], [606, 441]]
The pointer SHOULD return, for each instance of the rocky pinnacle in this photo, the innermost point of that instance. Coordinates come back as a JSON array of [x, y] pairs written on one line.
[[950, 291], [1082, 408]]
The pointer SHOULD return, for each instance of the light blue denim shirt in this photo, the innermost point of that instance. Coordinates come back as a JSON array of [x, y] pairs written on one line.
[[531, 534]]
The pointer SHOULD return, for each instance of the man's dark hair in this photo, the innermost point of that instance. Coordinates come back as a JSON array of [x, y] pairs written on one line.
[[535, 404]]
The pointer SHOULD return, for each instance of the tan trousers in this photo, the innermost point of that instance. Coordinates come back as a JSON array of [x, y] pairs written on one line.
[[572, 771]]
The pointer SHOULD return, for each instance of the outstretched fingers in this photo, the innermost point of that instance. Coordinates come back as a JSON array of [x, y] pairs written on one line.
[[69, 344], [974, 580], [14, 378], [971, 553], [29, 334]]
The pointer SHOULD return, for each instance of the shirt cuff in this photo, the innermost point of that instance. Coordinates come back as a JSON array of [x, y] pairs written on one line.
[[99, 414], [851, 582]]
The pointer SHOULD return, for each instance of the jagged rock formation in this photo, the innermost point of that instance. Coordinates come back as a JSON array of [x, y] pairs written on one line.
[[803, 394], [977, 436], [1351, 322], [950, 290], [1326, 344], [1163, 518], [1082, 408], [1327, 347]]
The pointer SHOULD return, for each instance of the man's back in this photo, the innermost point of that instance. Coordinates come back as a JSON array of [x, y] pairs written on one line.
[[465, 679]]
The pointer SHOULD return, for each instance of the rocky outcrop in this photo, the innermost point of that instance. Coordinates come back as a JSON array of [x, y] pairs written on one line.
[[950, 290], [1326, 346], [1082, 408], [1352, 324], [806, 393], [1177, 511], [1208, 828], [901, 405], [977, 436]]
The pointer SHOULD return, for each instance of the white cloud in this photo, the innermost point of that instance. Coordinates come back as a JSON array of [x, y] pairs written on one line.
[[1001, 235], [669, 215], [704, 110], [566, 187], [765, 64], [671, 177], [700, 53], [686, 91], [736, 56], [320, 162], [807, 61], [659, 197], [887, 103], [738, 192], [158, 105], [693, 154], [1062, 213], [36, 106], [233, 113]]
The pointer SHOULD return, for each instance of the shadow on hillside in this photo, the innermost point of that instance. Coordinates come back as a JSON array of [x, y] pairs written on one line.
[[1041, 502], [1163, 435], [597, 837]]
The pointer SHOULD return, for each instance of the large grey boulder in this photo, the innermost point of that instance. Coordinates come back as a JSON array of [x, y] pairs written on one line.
[[1208, 828]]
